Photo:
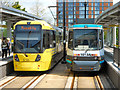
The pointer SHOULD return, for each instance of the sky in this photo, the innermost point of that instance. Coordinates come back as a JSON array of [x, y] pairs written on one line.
[[28, 4]]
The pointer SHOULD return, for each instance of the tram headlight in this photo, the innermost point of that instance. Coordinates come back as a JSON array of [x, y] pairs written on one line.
[[16, 58], [75, 58], [38, 58]]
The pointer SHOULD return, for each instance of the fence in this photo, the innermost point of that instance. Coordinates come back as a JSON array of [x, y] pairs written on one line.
[[117, 56]]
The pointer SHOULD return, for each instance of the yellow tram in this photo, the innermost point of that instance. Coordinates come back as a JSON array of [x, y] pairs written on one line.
[[37, 46]]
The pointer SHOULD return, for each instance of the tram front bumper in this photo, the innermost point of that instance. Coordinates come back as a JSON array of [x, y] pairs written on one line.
[[86, 66]]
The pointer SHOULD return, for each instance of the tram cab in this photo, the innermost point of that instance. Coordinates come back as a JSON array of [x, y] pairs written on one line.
[[85, 48]]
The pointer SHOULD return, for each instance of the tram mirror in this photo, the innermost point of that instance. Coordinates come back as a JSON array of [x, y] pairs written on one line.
[[54, 41], [50, 45], [71, 40]]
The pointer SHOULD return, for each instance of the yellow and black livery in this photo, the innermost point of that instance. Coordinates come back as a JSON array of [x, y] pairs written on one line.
[[37, 46]]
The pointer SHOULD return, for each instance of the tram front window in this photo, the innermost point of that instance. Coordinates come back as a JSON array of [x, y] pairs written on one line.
[[27, 42], [85, 39]]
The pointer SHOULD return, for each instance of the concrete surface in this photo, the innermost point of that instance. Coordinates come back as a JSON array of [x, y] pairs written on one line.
[[111, 70]]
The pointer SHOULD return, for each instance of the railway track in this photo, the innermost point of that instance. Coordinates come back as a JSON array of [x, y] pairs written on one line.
[[22, 81], [59, 77], [75, 82], [29, 81]]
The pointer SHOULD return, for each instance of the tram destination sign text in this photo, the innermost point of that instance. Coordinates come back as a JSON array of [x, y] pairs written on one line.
[[28, 27]]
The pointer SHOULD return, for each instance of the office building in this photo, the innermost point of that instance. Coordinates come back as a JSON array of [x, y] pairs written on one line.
[[75, 10]]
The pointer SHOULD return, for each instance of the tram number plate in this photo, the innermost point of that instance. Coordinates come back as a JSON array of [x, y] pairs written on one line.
[[85, 54], [25, 60]]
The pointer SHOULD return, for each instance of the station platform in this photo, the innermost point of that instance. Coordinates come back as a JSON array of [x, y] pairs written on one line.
[[6, 65], [111, 68], [6, 60], [109, 52]]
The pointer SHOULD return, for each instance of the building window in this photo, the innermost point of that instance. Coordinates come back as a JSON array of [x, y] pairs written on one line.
[[74, 0], [70, 0], [102, 3], [81, 4], [96, 0], [61, 13], [74, 16], [81, 0], [60, 4], [70, 20], [97, 8], [91, 8], [87, 8], [70, 16], [91, 16], [60, 21], [87, 12], [59, 9], [74, 8], [97, 4], [82, 12], [108, 4], [81, 8], [92, 4], [92, 12], [97, 12], [87, 16], [60, 0], [70, 8], [60, 16], [87, 4], [70, 4], [70, 12], [96, 16], [60, 25], [81, 16], [74, 12], [102, 8]]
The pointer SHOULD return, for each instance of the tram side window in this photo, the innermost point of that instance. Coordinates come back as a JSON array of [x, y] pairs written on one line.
[[70, 40], [44, 37], [49, 39], [54, 39], [60, 37], [100, 39]]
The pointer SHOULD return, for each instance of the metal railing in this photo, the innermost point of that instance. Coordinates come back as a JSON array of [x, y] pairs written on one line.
[[116, 56]]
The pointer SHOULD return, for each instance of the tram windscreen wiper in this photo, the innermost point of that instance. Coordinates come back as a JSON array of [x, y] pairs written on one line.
[[28, 38], [87, 50]]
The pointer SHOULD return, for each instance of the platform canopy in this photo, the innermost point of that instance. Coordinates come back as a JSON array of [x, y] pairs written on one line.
[[111, 16], [11, 16], [14, 15]]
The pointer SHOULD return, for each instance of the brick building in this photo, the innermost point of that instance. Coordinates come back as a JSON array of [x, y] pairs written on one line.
[[75, 9]]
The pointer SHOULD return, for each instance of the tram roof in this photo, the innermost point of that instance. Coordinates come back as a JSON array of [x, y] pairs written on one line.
[[87, 26], [44, 24]]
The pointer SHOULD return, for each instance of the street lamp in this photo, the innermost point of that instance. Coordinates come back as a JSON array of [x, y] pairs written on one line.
[[85, 4], [64, 30], [52, 12], [64, 34]]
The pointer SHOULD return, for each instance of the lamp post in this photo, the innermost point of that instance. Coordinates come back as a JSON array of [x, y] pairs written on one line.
[[52, 12], [85, 5], [64, 34]]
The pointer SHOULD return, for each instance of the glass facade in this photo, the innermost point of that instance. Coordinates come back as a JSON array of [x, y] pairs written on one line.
[[75, 10]]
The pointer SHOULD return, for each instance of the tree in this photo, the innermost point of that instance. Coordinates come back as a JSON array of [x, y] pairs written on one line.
[[8, 3], [18, 6], [37, 9], [12, 3], [41, 11]]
